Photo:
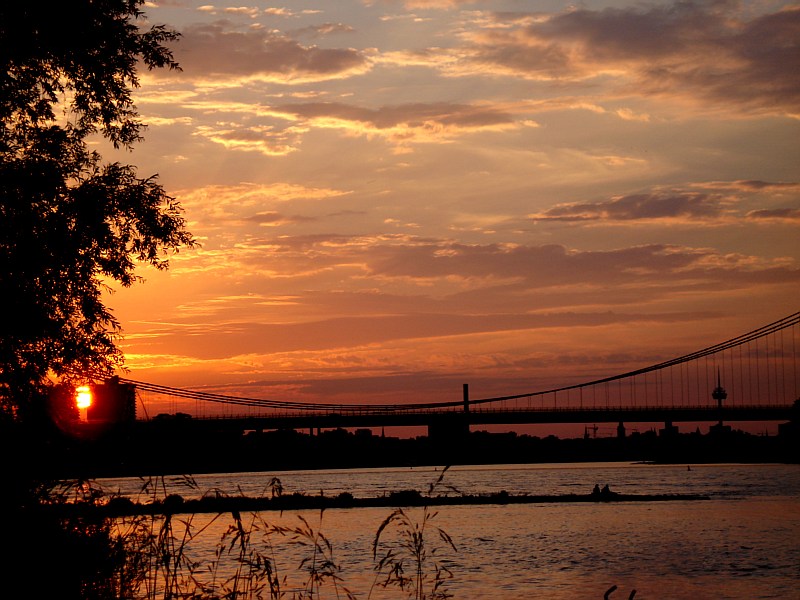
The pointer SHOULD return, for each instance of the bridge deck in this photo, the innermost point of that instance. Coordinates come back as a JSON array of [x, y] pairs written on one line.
[[359, 418]]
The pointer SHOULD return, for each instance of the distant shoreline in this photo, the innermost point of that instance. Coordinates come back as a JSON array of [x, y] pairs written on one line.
[[120, 506], [173, 450]]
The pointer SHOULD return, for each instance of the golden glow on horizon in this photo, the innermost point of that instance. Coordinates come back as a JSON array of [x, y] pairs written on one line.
[[509, 195]]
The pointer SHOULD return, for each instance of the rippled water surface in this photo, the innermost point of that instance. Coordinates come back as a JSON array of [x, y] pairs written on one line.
[[742, 543]]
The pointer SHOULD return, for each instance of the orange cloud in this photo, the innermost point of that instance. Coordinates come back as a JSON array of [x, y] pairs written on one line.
[[691, 50], [686, 207], [405, 123], [719, 203], [216, 52], [781, 215]]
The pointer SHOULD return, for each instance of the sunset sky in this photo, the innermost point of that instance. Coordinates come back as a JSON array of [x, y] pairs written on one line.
[[395, 198]]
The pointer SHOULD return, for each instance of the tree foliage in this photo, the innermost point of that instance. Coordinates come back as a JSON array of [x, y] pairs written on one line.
[[69, 222]]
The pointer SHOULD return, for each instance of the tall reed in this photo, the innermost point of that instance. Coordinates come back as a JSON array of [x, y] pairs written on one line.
[[245, 566], [151, 556], [410, 563]]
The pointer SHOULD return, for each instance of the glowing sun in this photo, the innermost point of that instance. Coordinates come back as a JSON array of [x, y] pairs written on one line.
[[83, 396]]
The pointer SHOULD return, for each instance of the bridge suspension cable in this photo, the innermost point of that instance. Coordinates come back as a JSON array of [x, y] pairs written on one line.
[[750, 336], [739, 341]]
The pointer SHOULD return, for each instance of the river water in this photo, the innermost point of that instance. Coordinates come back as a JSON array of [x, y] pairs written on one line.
[[742, 543]]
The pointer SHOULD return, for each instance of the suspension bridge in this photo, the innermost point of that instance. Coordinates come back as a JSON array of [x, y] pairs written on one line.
[[751, 377]]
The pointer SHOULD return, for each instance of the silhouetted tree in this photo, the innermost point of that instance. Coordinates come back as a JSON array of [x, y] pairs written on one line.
[[69, 221]]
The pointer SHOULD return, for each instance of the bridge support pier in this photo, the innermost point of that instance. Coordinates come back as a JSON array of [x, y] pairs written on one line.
[[669, 430], [621, 430], [719, 429]]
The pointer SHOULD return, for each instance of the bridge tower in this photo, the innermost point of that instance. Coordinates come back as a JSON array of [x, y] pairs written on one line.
[[451, 429], [114, 403]]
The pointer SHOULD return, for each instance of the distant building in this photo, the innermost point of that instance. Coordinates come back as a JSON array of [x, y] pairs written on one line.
[[112, 402]]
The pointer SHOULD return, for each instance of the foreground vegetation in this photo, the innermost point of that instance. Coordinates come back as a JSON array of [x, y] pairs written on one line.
[[173, 553], [150, 556]]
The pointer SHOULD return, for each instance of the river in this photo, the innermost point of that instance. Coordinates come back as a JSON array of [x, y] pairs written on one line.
[[742, 543]]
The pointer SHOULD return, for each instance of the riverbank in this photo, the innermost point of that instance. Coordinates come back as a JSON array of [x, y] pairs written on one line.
[[741, 542]]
